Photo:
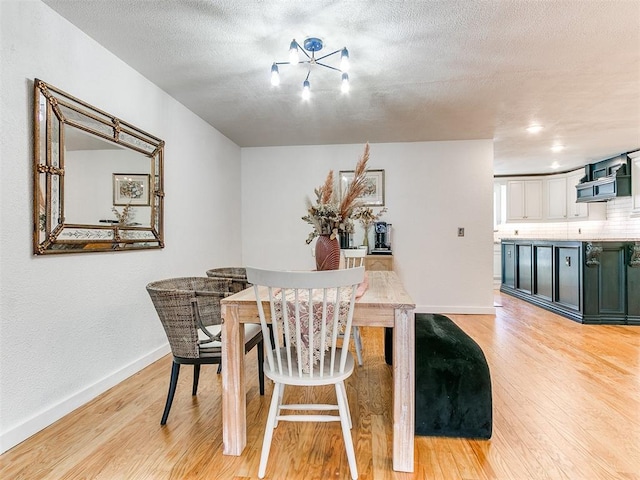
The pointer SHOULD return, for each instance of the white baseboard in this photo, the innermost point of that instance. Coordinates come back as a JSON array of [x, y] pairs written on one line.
[[52, 413], [443, 309]]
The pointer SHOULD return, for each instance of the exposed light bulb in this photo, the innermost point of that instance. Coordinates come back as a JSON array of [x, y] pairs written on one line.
[[306, 90], [293, 53], [275, 75], [344, 60], [534, 128], [345, 83]]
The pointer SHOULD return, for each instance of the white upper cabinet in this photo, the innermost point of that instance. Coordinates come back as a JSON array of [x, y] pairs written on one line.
[[556, 198], [552, 198], [524, 200], [576, 210]]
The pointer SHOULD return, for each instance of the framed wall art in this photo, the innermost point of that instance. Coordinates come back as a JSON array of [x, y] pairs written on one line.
[[373, 195], [130, 189]]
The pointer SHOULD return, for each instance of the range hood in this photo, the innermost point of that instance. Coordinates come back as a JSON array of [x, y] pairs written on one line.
[[605, 180]]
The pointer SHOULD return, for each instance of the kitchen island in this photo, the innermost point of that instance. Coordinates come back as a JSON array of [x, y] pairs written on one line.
[[592, 282]]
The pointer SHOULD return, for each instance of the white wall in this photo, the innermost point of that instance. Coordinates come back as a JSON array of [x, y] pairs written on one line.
[[432, 188], [72, 326]]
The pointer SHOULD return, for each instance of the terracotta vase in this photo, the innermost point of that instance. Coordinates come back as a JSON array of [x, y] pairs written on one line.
[[327, 253]]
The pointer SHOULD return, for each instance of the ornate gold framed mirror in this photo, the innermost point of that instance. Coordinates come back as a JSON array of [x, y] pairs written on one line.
[[97, 180]]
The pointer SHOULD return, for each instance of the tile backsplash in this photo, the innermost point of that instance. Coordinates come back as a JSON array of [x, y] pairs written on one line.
[[620, 223]]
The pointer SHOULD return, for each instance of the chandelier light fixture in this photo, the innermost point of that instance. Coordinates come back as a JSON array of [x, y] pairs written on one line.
[[312, 45]]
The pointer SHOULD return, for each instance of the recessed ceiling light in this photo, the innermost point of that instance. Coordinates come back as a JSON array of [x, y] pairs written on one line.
[[534, 128], [557, 148], [555, 165]]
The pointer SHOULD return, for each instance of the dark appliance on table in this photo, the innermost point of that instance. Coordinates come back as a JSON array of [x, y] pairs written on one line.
[[383, 239]]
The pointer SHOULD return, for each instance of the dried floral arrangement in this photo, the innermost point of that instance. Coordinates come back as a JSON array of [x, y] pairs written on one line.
[[126, 217], [366, 216], [328, 216]]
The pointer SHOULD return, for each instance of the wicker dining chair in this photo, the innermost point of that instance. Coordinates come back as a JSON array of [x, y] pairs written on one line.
[[189, 309], [237, 276]]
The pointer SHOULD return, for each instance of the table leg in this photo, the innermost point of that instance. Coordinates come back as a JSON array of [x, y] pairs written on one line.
[[234, 398], [403, 390]]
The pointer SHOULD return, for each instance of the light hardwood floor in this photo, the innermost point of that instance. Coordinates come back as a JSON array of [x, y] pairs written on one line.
[[566, 405]]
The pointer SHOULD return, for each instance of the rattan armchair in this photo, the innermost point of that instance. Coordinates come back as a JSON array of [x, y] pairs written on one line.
[[236, 275], [189, 309]]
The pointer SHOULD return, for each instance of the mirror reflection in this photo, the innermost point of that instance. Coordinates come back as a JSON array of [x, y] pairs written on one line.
[[98, 182]]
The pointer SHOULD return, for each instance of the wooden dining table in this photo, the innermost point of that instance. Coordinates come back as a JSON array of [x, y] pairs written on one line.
[[385, 303]]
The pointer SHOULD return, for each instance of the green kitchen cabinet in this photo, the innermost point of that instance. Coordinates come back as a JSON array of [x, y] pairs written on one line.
[[509, 264], [543, 273], [594, 282], [567, 267]]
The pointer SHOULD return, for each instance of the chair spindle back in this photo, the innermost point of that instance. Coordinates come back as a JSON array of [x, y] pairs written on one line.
[[354, 257], [307, 312]]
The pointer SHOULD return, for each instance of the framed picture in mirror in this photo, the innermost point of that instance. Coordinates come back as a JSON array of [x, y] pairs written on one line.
[[130, 189]]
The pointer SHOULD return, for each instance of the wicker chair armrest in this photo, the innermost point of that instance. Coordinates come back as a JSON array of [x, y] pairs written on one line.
[[212, 337], [200, 323]]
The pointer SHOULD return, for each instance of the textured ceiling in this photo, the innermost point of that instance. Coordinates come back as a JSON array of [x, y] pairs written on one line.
[[420, 70]]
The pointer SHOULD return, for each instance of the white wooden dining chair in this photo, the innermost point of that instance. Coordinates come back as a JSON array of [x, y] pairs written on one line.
[[307, 310], [354, 257]]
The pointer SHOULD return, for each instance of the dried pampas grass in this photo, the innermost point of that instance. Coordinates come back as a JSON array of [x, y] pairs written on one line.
[[356, 188], [328, 216]]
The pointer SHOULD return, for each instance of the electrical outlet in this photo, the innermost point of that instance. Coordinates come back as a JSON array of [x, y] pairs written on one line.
[[461, 231]]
